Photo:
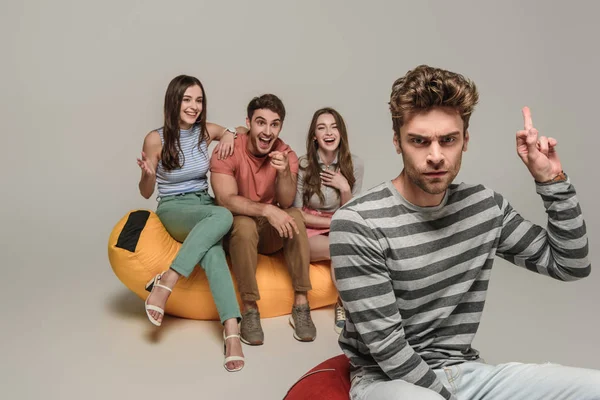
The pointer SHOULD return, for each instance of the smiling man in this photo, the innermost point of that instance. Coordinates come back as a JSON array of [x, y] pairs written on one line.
[[258, 184], [412, 257]]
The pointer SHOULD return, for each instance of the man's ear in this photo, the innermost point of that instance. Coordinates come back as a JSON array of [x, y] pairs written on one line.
[[466, 141], [396, 141], [248, 123]]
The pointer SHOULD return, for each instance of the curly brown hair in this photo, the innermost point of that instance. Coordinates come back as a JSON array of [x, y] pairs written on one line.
[[312, 176], [426, 87]]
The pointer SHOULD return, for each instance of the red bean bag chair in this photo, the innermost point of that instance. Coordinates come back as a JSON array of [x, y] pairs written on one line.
[[329, 380]]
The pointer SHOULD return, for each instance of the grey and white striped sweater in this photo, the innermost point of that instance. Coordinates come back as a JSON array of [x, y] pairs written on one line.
[[413, 280]]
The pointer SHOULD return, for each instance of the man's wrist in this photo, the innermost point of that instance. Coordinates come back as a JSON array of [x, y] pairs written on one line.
[[266, 209], [561, 177], [284, 172], [232, 131]]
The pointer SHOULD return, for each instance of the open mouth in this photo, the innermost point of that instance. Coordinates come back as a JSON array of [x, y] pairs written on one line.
[[191, 114], [264, 143], [329, 140]]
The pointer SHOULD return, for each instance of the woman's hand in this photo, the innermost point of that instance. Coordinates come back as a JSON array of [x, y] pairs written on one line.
[[335, 180], [147, 166], [225, 146]]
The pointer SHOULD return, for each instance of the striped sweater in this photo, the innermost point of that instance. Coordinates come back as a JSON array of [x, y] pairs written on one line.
[[413, 280]]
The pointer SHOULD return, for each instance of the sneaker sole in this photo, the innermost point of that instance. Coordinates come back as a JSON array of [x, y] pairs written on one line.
[[250, 343], [298, 338], [336, 328]]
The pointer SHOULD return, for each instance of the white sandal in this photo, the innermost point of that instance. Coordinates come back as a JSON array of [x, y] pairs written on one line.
[[231, 358], [149, 286]]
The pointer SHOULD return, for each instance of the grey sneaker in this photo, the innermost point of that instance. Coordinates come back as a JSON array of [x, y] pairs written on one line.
[[304, 329], [340, 318], [251, 330]]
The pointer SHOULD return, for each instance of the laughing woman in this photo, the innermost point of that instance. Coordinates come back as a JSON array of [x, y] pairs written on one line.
[[176, 158], [329, 176]]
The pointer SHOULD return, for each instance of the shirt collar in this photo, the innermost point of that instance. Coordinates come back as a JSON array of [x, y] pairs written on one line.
[[335, 160]]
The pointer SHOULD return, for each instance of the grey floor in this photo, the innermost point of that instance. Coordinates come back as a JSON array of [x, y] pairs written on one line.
[[71, 330], [97, 344]]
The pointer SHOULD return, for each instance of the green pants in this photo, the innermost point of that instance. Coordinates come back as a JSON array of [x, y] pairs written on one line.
[[196, 221]]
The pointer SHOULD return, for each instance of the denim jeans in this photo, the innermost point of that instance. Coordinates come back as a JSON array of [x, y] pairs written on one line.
[[480, 381]]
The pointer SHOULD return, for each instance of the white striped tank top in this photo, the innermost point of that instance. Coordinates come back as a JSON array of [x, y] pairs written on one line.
[[191, 177]]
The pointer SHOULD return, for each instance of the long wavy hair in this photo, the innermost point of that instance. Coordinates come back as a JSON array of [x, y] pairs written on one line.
[[173, 99], [312, 170]]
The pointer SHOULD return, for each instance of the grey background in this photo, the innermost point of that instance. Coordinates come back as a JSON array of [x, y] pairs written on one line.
[[82, 83]]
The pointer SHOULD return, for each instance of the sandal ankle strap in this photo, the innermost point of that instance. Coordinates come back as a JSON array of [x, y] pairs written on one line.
[[163, 287]]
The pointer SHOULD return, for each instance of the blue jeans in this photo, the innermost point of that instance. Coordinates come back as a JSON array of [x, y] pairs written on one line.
[[480, 381]]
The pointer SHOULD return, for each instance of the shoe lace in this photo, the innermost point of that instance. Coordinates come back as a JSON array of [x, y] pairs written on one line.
[[340, 314], [303, 317], [252, 321]]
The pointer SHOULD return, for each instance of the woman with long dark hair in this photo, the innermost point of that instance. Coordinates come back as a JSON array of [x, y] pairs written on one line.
[[329, 176], [175, 158]]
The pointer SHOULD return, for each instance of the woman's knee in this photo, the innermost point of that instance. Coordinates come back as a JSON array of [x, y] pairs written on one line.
[[319, 248], [223, 216]]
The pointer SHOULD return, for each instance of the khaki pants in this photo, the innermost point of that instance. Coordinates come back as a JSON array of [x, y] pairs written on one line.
[[252, 235]]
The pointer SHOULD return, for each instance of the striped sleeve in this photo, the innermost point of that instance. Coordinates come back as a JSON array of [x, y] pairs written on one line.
[[365, 288], [559, 251]]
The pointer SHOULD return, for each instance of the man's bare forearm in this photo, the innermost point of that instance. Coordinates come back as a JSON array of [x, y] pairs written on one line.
[[239, 205], [285, 188]]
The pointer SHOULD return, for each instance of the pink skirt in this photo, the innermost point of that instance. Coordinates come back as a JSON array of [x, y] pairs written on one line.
[[310, 232]]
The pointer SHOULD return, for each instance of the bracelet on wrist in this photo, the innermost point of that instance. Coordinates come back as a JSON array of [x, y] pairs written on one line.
[[558, 178], [232, 130]]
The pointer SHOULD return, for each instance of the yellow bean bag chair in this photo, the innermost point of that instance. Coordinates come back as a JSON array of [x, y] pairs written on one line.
[[140, 247]]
